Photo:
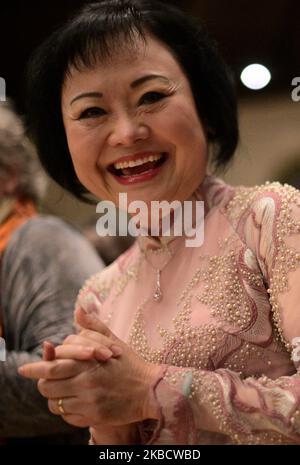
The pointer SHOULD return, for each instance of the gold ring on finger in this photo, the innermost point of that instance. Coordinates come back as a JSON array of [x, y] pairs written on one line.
[[60, 406]]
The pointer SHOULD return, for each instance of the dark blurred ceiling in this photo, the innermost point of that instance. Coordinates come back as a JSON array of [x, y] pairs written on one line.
[[258, 31], [261, 31]]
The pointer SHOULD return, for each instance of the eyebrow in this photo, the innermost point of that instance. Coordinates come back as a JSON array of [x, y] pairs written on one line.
[[149, 77], [133, 85], [86, 94]]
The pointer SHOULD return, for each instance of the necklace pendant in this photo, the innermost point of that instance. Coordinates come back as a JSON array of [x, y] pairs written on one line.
[[157, 296]]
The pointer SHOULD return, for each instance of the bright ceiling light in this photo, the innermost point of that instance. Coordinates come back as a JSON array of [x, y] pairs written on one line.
[[255, 76]]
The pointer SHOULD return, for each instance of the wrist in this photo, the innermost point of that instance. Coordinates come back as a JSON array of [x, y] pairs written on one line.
[[113, 435], [151, 409]]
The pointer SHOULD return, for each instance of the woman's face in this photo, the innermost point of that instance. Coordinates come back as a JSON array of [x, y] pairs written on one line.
[[132, 127]]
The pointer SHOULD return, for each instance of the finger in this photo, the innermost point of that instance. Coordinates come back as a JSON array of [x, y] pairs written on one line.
[[75, 411], [90, 303], [102, 340], [48, 351], [98, 354], [95, 340], [91, 321], [80, 352], [56, 369], [68, 405], [86, 340]]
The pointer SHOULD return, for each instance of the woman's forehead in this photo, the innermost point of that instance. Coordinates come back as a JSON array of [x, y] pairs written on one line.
[[105, 52], [131, 58]]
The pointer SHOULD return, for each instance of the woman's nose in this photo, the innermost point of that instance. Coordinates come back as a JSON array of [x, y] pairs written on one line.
[[128, 130]]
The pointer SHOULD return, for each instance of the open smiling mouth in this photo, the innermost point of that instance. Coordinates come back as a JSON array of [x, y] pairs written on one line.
[[128, 169]]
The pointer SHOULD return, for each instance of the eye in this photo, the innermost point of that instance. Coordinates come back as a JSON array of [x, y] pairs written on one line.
[[151, 97], [93, 112]]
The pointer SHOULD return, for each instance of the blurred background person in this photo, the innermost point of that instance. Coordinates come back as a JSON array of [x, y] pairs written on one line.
[[43, 264]]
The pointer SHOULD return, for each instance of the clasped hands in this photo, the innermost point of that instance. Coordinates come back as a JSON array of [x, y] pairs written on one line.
[[101, 380]]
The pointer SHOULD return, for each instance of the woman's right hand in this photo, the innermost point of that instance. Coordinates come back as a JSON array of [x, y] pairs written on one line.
[[126, 434]]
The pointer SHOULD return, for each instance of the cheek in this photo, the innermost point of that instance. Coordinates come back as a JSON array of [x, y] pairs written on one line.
[[182, 127], [191, 147], [84, 149]]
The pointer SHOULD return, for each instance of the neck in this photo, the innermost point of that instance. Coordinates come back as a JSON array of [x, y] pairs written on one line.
[[183, 221]]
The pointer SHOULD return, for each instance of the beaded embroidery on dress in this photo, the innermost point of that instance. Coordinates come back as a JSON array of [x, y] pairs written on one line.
[[223, 331]]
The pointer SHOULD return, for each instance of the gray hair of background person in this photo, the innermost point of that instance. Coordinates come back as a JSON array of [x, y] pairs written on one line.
[[17, 156]]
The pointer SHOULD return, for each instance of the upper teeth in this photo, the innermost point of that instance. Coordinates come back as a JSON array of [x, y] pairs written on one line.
[[139, 161]]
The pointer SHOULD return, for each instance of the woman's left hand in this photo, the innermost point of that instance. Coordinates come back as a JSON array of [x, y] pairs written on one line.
[[114, 392]]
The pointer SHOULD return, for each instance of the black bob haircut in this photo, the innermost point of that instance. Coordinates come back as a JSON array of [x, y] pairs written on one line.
[[94, 33]]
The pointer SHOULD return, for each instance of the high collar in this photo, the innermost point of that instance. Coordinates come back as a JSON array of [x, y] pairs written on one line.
[[203, 192]]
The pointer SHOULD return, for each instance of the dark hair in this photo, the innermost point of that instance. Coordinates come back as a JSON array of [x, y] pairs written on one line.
[[93, 33]]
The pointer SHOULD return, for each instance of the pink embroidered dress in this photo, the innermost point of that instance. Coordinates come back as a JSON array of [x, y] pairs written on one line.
[[223, 332]]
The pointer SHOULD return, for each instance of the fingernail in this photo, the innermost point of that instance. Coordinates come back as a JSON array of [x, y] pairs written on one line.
[[89, 303], [116, 350], [108, 352], [88, 350], [105, 352]]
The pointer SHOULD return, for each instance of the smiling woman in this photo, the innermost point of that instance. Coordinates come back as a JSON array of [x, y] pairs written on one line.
[[121, 121], [140, 69], [131, 97]]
